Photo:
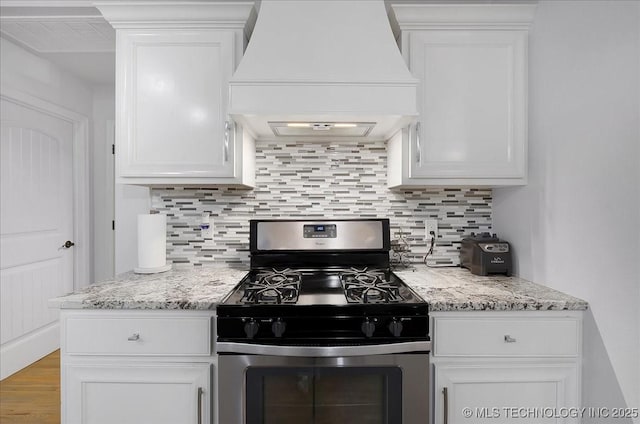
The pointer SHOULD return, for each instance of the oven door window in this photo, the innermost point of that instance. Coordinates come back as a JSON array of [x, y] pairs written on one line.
[[318, 395]]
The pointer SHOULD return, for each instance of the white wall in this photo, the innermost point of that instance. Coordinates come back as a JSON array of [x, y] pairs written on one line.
[[575, 226], [103, 186], [41, 78], [130, 201], [114, 251]]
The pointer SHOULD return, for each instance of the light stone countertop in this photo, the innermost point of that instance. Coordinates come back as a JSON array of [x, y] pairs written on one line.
[[202, 288], [191, 287], [456, 289]]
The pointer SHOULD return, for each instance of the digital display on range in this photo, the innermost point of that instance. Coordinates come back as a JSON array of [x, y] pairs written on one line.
[[320, 231]]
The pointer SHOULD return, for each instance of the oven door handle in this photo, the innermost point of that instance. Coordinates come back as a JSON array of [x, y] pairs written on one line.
[[322, 351]]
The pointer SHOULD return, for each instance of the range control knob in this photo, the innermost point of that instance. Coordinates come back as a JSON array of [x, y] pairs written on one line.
[[278, 327], [368, 328], [251, 328], [395, 327]]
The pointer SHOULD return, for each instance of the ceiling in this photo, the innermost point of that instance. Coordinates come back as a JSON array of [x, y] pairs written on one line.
[[70, 33]]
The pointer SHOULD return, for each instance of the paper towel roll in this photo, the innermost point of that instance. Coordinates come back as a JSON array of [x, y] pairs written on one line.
[[152, 243]]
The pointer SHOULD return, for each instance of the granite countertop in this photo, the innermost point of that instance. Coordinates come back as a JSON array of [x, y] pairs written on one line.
[[202, 288], [180, 288], [456, 289]]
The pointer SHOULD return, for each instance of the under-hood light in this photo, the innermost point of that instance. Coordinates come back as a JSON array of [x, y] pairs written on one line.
[[323, 125], [310, 129]]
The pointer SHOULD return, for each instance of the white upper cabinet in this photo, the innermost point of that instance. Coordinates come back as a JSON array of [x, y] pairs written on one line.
[[173, 65], [472, 113], [471, 61], [172, 92]]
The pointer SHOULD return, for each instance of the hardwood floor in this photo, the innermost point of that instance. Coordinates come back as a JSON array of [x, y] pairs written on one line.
[[32, 395]]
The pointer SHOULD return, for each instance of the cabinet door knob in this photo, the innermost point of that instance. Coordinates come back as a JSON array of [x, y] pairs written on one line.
[[134, 337], [509, 339], [67, 244]]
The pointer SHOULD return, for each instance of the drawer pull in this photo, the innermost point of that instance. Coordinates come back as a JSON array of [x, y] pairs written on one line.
[[134, 337], [509, 339]]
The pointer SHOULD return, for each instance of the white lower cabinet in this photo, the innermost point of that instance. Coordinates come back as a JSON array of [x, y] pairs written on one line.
[[135, 393], [498, 367], [137, 367], [497, 393]]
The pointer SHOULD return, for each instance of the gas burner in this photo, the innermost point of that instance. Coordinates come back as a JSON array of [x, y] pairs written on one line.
[[273, 287], [369, 286]]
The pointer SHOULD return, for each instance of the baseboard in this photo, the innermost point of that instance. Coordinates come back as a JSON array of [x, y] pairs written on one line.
[[25, 350]]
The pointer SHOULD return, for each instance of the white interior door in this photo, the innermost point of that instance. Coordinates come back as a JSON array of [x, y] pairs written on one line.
[[36, 219]]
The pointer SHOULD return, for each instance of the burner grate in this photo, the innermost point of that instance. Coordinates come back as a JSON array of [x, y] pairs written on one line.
[[273, 287], [369, 286]]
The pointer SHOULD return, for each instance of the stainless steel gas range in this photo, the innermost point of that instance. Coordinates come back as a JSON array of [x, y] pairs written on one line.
[[321, 330]]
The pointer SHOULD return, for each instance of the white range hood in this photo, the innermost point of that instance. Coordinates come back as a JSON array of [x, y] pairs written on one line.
[[323, 69]]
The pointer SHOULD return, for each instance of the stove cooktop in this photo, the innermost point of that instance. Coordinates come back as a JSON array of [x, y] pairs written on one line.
[[329, 287], [322, 307]]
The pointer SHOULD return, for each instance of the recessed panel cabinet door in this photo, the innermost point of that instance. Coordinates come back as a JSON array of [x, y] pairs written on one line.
[[489, 393], [472, 98], [137, 394], [172, 96]]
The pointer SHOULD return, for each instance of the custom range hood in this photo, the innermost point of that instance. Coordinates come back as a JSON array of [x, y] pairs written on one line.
[[317, 68]]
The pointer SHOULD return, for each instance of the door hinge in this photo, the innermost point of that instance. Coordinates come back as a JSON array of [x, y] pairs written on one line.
[[113, 149], [113, 225]]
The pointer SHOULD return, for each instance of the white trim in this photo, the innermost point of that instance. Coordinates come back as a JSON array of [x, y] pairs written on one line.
[[467, 16], [46, 3], [81, 193], [25, 350], [175, 14], [89, 19]]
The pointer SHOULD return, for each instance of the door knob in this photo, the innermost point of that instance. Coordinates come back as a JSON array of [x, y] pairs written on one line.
[[67, 244]]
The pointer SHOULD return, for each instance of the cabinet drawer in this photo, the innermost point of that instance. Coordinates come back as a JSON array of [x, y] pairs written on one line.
[[506, 337], [138, 336]]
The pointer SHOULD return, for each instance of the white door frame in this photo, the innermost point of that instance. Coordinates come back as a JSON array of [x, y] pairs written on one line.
[[81, 194]]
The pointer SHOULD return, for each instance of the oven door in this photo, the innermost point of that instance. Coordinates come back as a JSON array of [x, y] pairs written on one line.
[[371, 389]]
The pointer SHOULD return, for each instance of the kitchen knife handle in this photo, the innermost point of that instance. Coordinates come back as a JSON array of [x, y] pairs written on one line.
[[200, 393], [445, 406], [418, 147], [227, 130]]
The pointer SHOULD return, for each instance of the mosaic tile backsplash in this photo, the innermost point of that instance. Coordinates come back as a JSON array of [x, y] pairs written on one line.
[[296, 179]]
